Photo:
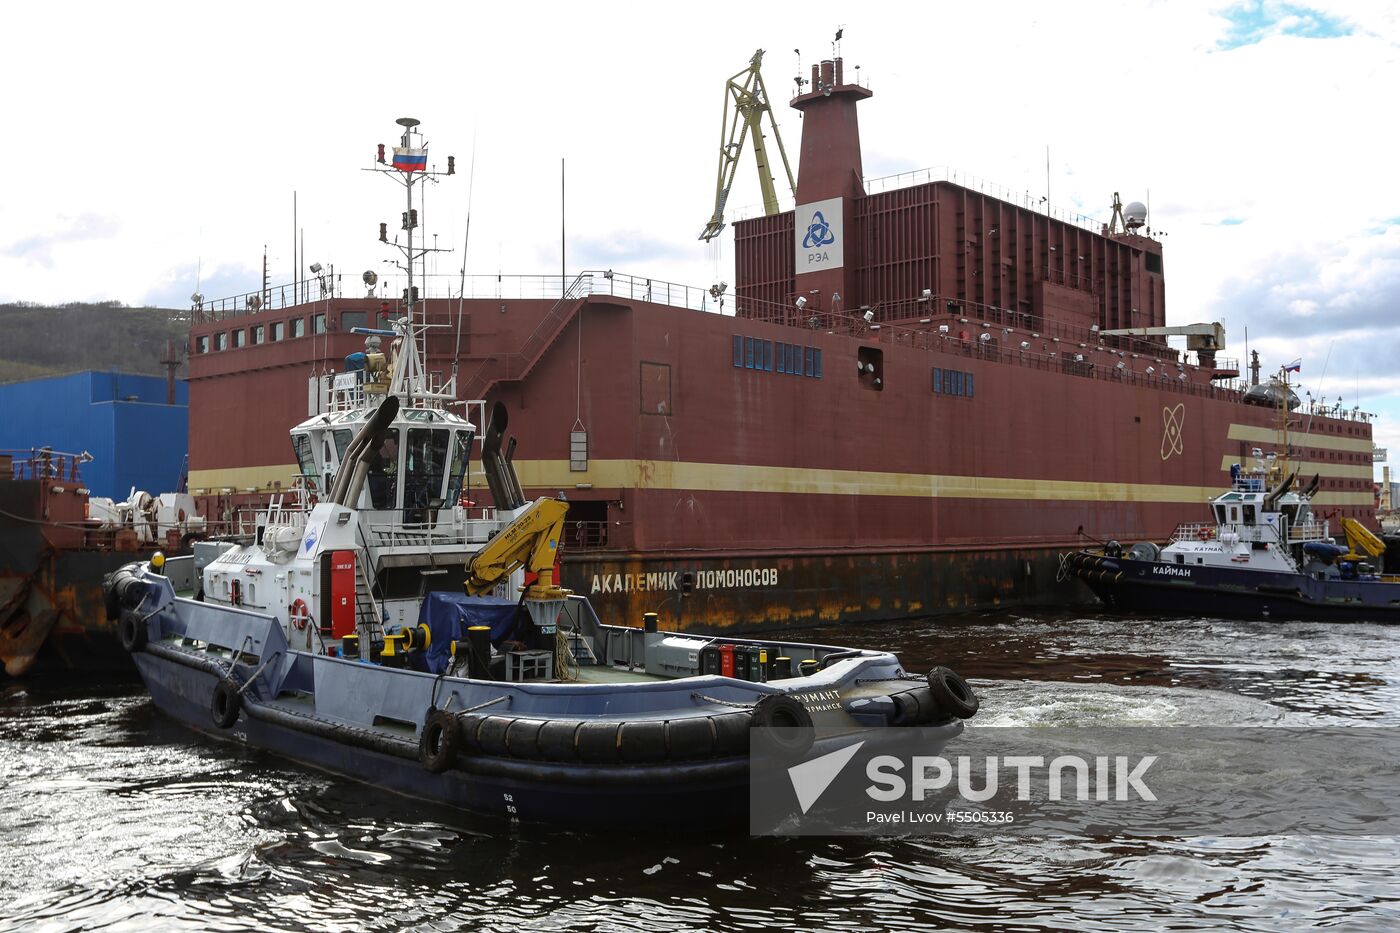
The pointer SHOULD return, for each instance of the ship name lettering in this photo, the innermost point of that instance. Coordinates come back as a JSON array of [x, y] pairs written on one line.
[[751, 577], [1172, 571], [820, 701], [670, 580]]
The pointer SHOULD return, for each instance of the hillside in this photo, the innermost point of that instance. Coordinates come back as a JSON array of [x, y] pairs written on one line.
[[38, 340]]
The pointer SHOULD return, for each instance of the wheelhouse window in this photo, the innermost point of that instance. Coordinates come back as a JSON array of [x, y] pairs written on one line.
[[306, 456], [201, 344], [461, 453], [383, 477], [236, 338], [349, 319], [342, 437], [298, 326], [221, 341], [257, 333], [318, 323], [425, 465], [277, 331]]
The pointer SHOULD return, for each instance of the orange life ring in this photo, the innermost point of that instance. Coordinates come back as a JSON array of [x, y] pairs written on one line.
[[300, 614], [1204, 534]]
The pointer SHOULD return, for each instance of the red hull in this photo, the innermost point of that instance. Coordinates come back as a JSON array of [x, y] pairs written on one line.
[[911, 422]]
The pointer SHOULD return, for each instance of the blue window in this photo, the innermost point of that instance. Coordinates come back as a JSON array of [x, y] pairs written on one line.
[[768, 355], [817, 359], [937, 380], [954, 382], [968, 386], [748, 352], [738, 351]]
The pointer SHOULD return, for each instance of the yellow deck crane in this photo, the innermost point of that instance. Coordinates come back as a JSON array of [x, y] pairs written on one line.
[[530, 541], [1361, 541], [749, 99]]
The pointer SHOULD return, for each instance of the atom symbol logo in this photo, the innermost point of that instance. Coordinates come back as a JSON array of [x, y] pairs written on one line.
[[1173, 420], [818, 233]]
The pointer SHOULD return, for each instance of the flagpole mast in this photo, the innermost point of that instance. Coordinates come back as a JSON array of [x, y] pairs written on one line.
[[408, 123], [410, 161]]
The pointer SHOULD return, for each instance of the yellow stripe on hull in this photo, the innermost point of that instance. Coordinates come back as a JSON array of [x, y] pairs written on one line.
[[729, 477]]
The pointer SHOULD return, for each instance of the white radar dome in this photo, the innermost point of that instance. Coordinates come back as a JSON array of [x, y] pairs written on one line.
[[1135, 214]]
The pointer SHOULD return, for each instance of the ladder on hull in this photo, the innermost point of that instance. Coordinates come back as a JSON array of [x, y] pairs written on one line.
[[369, 619]]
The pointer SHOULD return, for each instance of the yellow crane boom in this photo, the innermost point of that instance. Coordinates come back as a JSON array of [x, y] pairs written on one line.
[[530, 541], [1360, 540], [749, 97]]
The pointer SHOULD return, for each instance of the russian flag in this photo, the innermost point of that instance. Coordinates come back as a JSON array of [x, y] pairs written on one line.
[[410, 160], [1294, 367]]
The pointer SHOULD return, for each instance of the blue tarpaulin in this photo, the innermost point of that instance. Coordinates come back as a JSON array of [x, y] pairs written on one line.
[[449, 615]]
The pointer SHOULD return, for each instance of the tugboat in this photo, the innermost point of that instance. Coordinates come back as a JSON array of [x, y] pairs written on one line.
[[1264, 555], [376, 633]]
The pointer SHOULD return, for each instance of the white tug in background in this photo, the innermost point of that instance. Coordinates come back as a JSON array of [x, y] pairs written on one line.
[[1264, 555]]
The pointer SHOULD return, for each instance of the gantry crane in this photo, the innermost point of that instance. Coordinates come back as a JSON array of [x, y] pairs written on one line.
[[746, 92]]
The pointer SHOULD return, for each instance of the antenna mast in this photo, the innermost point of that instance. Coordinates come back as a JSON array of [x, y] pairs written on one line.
[[410, 167]]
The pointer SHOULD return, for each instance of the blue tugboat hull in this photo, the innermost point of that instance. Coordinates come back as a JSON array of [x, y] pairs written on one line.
[[555, 796], [1156, 587], [647, 753]]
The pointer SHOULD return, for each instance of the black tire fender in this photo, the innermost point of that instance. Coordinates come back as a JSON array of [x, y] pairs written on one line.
[[642, 740], [690, 739], [951, 694], [596, 741], [731, 733], [906, 708], [522, 738], [439, 741], [467, 725], [111, 604], [491, 736], [131, 629], [928, 707], [225, 704], [787, 723], [556, 740]]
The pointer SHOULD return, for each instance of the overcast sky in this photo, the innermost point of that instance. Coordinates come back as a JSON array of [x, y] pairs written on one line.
[[156, 147]]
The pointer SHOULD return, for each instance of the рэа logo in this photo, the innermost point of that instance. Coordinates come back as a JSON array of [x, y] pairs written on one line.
[[818, 233]]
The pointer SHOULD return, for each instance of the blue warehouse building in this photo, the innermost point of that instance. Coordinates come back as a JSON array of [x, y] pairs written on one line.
[[135, 438]]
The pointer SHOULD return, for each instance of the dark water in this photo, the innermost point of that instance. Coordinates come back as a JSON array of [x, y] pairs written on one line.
[[113, 819]]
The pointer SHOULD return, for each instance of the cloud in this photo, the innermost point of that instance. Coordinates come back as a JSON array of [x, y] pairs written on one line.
[[39, 248], [179, 283], [632, 251], [1316, 292], [1253, 22]]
